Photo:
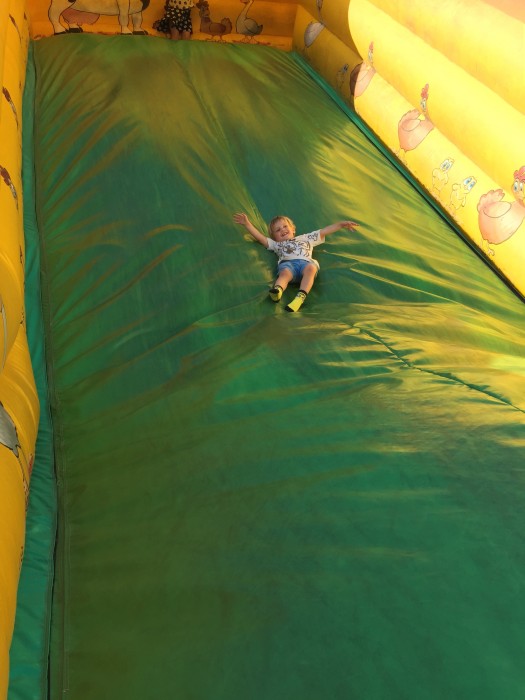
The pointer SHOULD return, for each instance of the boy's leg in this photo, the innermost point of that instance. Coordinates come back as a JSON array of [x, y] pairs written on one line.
[[307, 281], [297, 301], [309, 273], [283, 280]]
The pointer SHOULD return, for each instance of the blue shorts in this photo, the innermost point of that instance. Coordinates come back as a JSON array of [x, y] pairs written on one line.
[[296, 267]]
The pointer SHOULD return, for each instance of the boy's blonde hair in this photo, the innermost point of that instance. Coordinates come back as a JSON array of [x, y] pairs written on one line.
[[279, 218]]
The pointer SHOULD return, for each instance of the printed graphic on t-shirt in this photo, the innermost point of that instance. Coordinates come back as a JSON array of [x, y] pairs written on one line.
[[296, 248]]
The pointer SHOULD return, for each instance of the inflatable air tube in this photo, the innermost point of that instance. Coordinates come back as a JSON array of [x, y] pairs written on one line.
[[438, 84], [19, 411]]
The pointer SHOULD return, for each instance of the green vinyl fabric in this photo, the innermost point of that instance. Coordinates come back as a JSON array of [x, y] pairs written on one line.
[[257, 504], [29, 652]]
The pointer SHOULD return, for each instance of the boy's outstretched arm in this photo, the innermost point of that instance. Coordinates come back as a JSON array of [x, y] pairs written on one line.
[[242, 219], [350, 225]]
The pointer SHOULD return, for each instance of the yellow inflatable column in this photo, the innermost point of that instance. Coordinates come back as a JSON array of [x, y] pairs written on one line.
[[321, 35], [18, 397], [446, 95]]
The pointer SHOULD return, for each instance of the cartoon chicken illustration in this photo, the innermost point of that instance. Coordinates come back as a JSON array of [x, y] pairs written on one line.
[[363, 74], [499, 220], [207, 26], [414, 126]]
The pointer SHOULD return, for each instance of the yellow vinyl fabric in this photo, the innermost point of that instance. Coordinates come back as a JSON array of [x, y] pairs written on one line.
[[260, 22], [439, 84], [18, 399]]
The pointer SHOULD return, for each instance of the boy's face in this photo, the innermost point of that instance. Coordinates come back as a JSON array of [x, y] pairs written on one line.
[[283, 230]]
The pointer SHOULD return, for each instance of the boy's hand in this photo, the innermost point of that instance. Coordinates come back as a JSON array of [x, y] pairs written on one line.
[[241, 218], [350, 225]]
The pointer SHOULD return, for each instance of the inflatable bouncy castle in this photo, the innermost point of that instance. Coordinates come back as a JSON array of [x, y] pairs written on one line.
[[201, 495]]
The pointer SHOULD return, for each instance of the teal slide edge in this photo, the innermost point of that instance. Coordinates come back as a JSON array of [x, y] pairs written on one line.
[[29, 656]]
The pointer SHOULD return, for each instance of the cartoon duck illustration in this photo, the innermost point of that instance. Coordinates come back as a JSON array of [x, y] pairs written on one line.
[[499, 220], [363, 74], [440, 175], [459, 193], [313, 29], [414, 126], [245, 25]]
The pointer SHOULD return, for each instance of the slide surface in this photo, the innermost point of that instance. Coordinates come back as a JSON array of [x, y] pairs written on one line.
[[257, 504]]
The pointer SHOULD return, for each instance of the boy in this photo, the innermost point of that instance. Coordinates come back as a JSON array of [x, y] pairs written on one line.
[[295, 262]]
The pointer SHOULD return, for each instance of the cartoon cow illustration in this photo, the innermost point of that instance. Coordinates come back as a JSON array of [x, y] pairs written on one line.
[[77, 12]]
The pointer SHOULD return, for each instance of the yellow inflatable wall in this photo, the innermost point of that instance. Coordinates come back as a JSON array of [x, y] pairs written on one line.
[[440, 83], [263, 21], [18, 398]]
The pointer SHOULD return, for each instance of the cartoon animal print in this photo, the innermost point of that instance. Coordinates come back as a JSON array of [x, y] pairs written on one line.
[[362, 74], [13, 21], [247, 26], [73, 12], [499, 220], [9, 439], [440, 176], [214, 29], [4, 174], [10, 102], [414, 126], [340, 76], [313, 29], [459, 193]]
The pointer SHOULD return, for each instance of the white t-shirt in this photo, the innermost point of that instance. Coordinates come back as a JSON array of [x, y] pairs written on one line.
[[296, 248]]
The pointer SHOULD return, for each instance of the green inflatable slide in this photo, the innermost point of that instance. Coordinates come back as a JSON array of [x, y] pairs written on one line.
[[254, 504]]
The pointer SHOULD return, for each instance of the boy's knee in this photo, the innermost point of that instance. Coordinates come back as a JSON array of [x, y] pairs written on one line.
[[310, 270]]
